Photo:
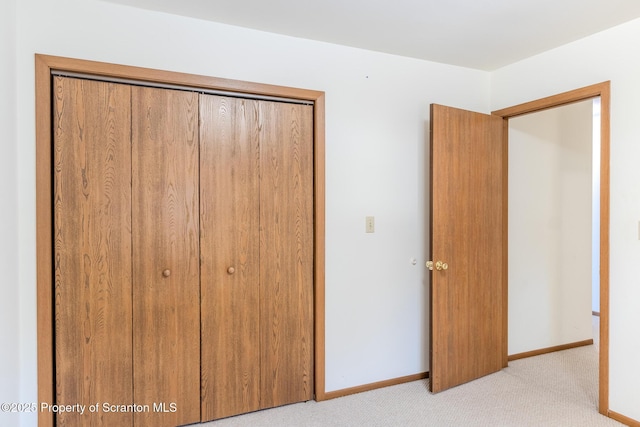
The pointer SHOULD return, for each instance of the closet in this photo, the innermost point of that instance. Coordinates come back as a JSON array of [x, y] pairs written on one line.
[[183, 253]]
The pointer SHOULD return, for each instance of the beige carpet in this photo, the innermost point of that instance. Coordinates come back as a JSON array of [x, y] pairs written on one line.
[[557, 389]]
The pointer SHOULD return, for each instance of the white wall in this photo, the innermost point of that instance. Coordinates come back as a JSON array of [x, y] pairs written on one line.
[[595, 212], [610, 55], [550, 216], [376, 117], [9, 285], [377, 113]]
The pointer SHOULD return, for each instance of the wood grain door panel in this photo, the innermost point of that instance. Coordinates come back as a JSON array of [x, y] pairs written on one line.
[[286, 252], [229, 215], [166, 270], [256, 217], [92, 248], [184, 261], [468, 307]]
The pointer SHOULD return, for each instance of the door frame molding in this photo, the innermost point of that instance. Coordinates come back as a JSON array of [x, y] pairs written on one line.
[[44, 66], [602, 90]]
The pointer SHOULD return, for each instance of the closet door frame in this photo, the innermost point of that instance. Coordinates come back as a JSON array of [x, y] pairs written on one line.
[[45, 65]]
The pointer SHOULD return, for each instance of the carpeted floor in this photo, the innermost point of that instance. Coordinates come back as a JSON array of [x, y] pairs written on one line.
[[556, 389]]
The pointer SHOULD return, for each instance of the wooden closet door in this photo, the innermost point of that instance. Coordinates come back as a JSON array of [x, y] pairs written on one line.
[[92, 248], [229, 209], [257, 254], [166, 273], [286, 253]]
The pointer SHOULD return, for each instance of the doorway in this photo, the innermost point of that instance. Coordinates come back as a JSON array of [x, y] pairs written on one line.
[[601, 90], [551, 197]]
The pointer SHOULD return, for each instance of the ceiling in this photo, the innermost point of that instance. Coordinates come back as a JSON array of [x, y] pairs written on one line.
[[480, 34]]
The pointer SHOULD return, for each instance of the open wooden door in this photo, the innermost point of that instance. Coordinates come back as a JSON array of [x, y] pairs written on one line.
[[468, 282]]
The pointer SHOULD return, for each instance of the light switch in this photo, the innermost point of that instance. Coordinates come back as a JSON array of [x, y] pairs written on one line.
[[370, 224]]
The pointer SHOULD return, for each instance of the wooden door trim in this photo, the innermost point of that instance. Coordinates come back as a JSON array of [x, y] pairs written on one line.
[[603, 90], [44, 66]]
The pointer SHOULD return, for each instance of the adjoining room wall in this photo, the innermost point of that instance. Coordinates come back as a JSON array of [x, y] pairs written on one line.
[[595, 247], [550, 186]]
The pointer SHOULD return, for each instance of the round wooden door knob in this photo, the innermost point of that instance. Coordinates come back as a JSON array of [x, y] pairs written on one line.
[[231, 270], [166, 273]]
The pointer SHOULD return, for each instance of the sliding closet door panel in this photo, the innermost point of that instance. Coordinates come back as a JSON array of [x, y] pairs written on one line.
[[92, 249], [229, 208], [286, 252], [166, 274]]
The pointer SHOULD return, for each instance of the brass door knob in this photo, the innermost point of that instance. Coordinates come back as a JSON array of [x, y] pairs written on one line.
[[231, 270], [166, 273], [439, 265]]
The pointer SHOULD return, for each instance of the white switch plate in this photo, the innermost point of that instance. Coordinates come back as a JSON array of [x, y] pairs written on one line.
[[370, 224]]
